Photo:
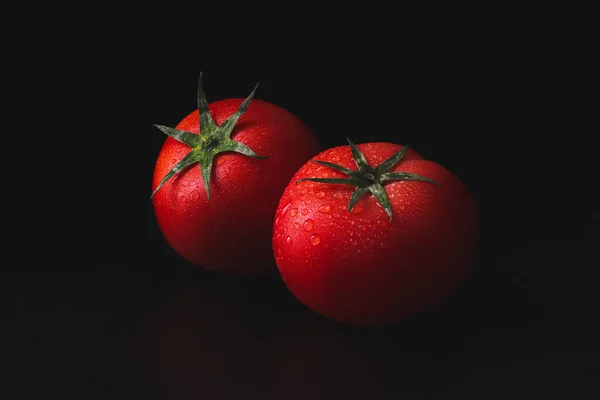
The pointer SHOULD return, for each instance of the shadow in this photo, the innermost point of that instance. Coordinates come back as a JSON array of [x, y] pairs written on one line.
[[224, 337]]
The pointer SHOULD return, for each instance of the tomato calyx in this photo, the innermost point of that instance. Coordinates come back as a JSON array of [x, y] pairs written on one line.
[[369, 179], [211, 141]]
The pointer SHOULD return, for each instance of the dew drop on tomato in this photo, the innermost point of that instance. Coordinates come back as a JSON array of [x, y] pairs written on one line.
[[308, 225], [293, 212], [285, 210], [357, 210], [315, 239], [325, 208]]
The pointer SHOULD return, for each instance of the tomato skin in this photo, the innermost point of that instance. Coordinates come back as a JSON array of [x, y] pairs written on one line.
[[361, 269], [232, 231]]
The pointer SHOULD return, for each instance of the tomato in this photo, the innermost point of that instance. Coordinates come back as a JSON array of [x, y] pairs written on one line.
[[218, 178], [408, 242]]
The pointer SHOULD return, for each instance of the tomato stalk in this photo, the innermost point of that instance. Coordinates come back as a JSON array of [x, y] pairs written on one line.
[[211, 141], [369, 179]]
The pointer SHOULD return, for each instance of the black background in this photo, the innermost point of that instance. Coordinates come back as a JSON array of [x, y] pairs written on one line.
[[125, 317]]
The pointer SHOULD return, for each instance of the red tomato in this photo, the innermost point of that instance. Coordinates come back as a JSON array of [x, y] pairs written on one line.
[[230, 232], [364, 266]]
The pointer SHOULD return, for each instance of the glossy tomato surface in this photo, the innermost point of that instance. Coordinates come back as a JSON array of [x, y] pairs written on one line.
[[358, 267], [232, 231]]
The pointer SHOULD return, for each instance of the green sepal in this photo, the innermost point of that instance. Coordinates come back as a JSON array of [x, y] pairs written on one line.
[[211, 141], [207, 125], [189, 159], [380, 194], [227, 126], [184, 137], [359, 158], [356, 195], [369, 179], [405, 176], [334, 166]]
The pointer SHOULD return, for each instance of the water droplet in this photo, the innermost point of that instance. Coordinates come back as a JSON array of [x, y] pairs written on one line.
[[304, 191], [352, 223], [308, 225], [182, 199], [293, 212], [382, 223], [372, 227], [357, 210], [173, 161], [325, 208], [227, 170], [289, 240], [353, 242], [315, 239], [362, 228], [336, 215], [307, 202], [194, 196], [304, 212], [285, 210], [246, 140], [320, 195], [335, 159], [178, 150], [338, 196], [234, 161], [296, 225], [220, 162]]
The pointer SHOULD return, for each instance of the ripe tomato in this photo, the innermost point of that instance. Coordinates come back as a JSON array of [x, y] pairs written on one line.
[[394, 254], [223, 168]]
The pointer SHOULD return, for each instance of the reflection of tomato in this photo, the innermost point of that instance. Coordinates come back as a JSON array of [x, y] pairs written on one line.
[[231, 231], [369, 266]]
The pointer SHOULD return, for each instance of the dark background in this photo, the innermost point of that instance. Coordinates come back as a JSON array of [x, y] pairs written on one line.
[[124, 317]]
